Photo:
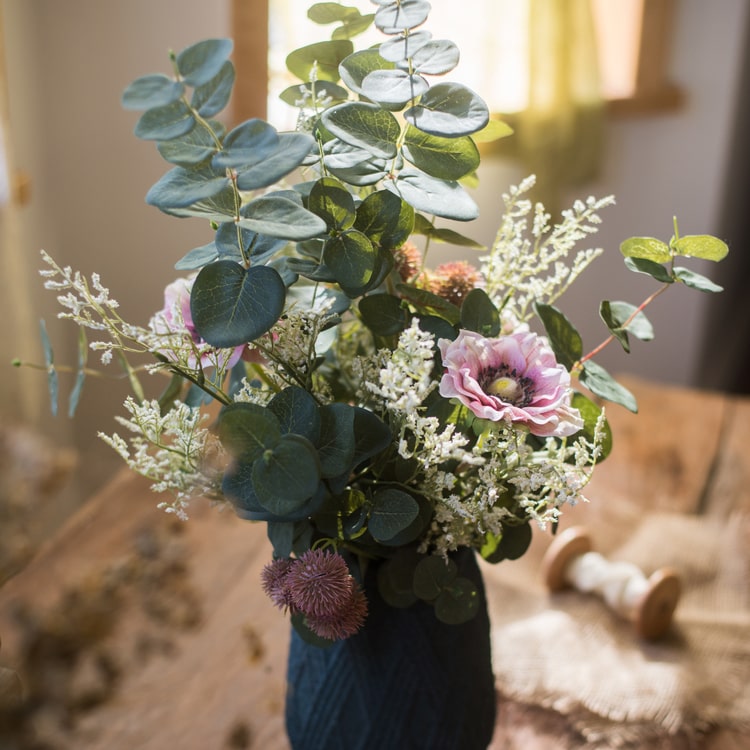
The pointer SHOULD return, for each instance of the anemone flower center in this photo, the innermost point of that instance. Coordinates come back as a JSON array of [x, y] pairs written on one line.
[[507, 385]]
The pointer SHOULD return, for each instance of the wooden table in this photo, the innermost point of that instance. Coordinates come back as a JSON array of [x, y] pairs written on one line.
[[164, 639]]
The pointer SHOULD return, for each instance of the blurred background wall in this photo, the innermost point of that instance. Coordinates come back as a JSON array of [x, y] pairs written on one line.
[[67, 63]]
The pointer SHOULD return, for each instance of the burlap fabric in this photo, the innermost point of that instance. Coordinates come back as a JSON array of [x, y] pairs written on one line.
[[569, 653]]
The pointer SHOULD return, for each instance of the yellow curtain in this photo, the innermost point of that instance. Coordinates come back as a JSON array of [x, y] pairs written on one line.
[[560, 133]]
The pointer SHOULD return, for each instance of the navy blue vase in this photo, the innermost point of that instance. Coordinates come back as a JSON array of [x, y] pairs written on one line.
[[406, 681]]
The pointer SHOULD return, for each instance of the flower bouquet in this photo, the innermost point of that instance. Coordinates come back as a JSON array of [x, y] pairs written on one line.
[[385, 419]]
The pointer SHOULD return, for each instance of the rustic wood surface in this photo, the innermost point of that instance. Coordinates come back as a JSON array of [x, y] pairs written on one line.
[[201, 665]]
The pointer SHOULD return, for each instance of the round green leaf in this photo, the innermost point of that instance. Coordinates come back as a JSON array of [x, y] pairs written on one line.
[[250, 143], [701, 246], [404, 46], [392, 511], [197, 257], [446, 158], [364, 125], [600, 382], [383, 314], [297, 412], [246, 430], [432, 575], [336, 442], [166, 122], [192, 148], [181, 187], [304, 94], [393, 88], [287, 475], [352, 259], [324, 57], [431, 195], [385, 219], [151, 91], [357, 66], [199, 63], [646, 247], [324, 13], [210, 98], [437, 57], [405, 14], [479, 314], [449, 109], [231, 305], [590, 413], [330, 199], [458, 603], [395, 579], [616, 314], [278, 216]]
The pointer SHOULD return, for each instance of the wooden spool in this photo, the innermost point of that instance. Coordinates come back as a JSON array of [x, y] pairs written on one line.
[[652, 614]]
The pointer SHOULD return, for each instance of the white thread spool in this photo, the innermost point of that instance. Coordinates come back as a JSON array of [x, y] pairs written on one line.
[[647, 602]]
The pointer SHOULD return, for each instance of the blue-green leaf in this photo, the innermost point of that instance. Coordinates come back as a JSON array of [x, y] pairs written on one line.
[[406, 14], [49, 361], [336, 444], [286, 476], [352, 259], [258, 247], [563, 336], [479, 314], [231, 305], [330, 199], [445, 158], [297, 412], [199, 63], [357, 66], [197, 257], [304, 94], [364, 125], [181, 187], [218, 208], [393, 88], [600, 382], [393, 510], [383, 314], [616, 314], [450, 110], [83, 351], [210, 98], [192, 148], [151, 91], [248, 144], [247, 430], [292, 150], [166, 122], [435, 58], [439, 197], [650, 268], [277, 216], [404, 46], [324, 57], [696, 280], [385, 219]]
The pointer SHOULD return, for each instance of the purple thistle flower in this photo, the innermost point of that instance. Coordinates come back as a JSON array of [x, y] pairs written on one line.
[[319, 583], [273, 580], [343, 623]]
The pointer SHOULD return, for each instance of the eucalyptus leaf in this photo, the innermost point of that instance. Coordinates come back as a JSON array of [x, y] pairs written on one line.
[[306, 94], [616, 314], [331, 201], [404, 46], [701, 246], [291, 152], [385, 219], [696, 280], [151, 91], [192, 148], [352, 259], [437, 57], [355, 68], [450, 110], [479, 314], [286, 476], [492, 131], [364, 125], [197, 257], [336, 442], [218, 208], [49, 361], [231, 305], [324, 13], [165, 122], [323, 57], [182, 187], [648, 248], [650, 268], [372, 435], [458, 603], [563, 337], [445, 158], [297, 412], [200, 62], [248, 144], [511, 544], [353, 25], [432, 575], [405, 14], [431, 303], [277, 216], [440, 197], [383, 314], [258, 247], [393, 88], [247, 430], [392, 511], [210, 98], [600, 382]]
